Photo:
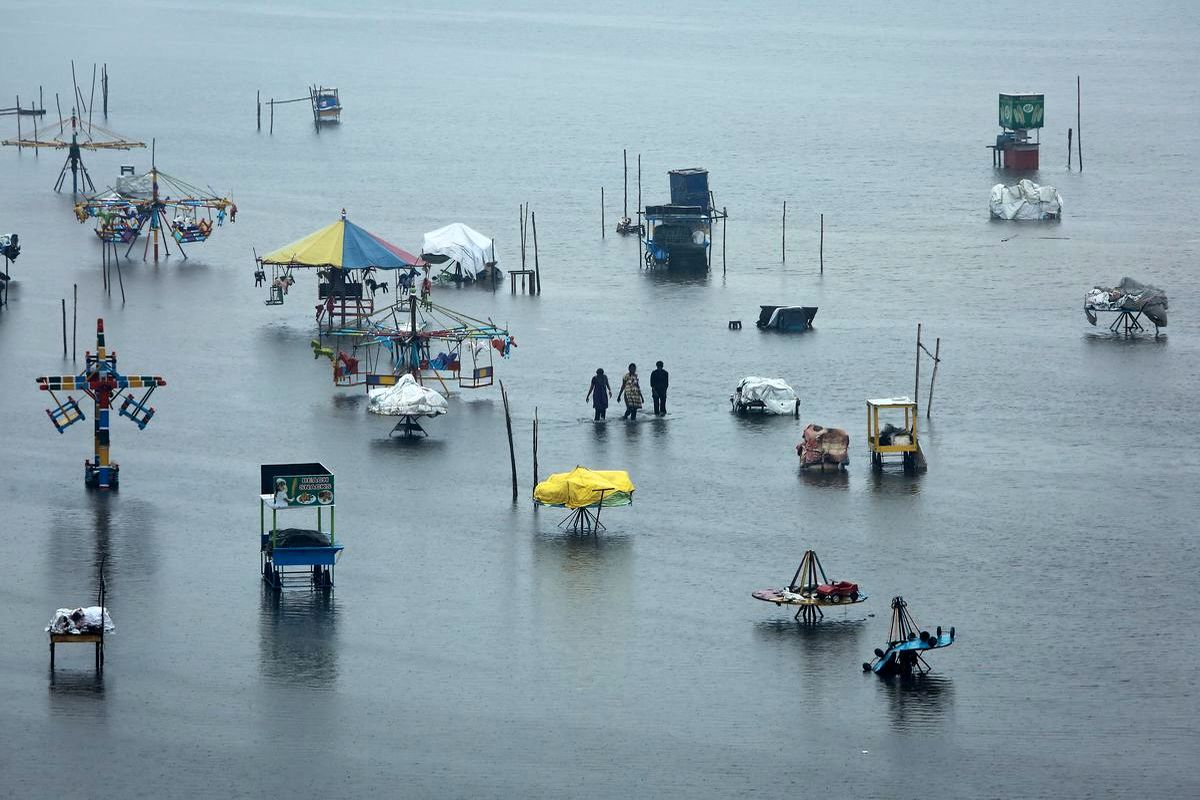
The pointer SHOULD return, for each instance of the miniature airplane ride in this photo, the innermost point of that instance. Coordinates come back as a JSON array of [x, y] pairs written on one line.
[[812, 590], [906, 643], [585, 492], [296, 557], [100, 381]]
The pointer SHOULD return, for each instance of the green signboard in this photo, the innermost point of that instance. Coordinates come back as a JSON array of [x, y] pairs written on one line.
[[303, 490], [1022, 111]]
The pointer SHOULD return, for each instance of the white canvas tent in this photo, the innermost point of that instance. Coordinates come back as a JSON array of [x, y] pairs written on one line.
[[459, 243]]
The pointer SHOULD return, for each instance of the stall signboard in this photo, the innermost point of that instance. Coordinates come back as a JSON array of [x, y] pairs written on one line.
[[303, 490], [1022, 111]]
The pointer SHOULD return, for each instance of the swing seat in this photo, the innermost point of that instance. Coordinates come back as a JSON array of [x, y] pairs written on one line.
[[117, 235], [136, 411], [276, 296], [66, 414], [191, 234], [480, 377]]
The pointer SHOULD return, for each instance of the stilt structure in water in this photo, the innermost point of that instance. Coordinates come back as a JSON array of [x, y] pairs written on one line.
[[100, 381]]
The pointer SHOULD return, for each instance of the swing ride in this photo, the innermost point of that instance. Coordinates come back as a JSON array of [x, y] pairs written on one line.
[[345, 257], [100, 381], [95, 137], [296, 557], [811, 590], [906, 643], [419, 338], [581, 490], [173, 208]]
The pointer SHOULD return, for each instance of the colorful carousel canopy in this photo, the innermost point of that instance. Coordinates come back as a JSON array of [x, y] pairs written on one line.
[[342, 245], [583, 488]]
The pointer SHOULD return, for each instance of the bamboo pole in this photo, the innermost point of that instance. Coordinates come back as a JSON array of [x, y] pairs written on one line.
[[783, 244], [821, 252], [64, 321], [1079, 121], [258, 107], [535, 446], [120, 279], [917, 376], [639, 209], [724, 222], [537, 270], [512, 453], [937, 353], [272, 129], [60, 119], [625, 172], [92, 99], [74, 321], [1069, 131], [602, 226], [18, 123], [104, 89]]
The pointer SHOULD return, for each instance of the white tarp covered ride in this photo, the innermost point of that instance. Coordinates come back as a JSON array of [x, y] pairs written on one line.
[[406, 399], [458, 243], [1025, 200], [766, 395]]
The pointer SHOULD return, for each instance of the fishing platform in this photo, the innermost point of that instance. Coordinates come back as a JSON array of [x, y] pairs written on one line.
[[297, 557], [100, 381]]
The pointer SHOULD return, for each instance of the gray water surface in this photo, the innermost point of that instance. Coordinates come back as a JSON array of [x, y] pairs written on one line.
[[471, 647]]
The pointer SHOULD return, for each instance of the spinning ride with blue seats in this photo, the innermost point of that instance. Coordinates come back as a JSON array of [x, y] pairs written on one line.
[[906, 643]]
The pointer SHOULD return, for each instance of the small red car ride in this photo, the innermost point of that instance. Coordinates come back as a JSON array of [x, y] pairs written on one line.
[[838, 591]]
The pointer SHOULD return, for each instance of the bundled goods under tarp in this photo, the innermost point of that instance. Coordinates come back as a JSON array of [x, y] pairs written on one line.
[[463, 245], [81, 620], [824, 446], [1025, 200], [768, 395], [300, 537], [584, 488], [406, 399], [1128, 295]]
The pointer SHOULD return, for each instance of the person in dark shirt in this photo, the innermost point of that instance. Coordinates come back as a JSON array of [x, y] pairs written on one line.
[[598, 393], [658, 389]]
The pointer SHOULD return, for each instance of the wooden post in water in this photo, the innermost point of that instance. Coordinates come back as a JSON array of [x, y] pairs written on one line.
[[821, 252], [512, 454], [783, 246], [937, 353], [917, 376], [537, 270], [1069, 131], [104, 89], [639, 211], [535, 446], [64, 320], [601, 212], [92, 97], [625, 173], [120, 279], [60, 119], [272, 104], [258, 108], [18, 123], [1079, 121], [724, 222], [74, 320]]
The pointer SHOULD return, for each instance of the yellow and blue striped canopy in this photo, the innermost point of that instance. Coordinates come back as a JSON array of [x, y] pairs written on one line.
[[342, 245]]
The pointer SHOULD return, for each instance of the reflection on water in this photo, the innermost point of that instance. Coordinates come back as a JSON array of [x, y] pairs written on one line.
[[831, 478], [678, 277], [916, 701], [71, 682], [894, 480], [298, 638], [1105, 337]]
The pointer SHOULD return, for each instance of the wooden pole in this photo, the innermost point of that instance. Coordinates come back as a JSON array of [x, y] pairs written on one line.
[[512, 454], [724, 222], [537, 271], [917, 376], [821, 252], [625, 171], [92, 100], [18, 123], [535, 446], [639, 209], [120, 279], [60, 119], [272, 129], [1079, 121], [783, 245], [258, 107], [74, 321], [602, 232], [104, 89], [937, 352], [64, 321], [1069, 132]]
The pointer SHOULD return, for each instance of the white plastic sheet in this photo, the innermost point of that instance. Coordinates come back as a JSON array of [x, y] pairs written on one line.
[[460, 243], [406, 398], [80, 620], [776, 396], [1025, 200]]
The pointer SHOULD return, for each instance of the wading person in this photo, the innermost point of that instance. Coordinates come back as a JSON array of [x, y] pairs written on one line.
[[598, 393], [658, 389], [632, 393]]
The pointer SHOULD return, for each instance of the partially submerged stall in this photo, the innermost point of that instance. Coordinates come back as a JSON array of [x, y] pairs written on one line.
[[297, 557], [887, 440], [1130, 301], [462, 253]]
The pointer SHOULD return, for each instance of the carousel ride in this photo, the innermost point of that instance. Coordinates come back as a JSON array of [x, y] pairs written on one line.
[[906, 642], [811, 590], [410, 401], [84, 135], [585, 492], [170, 207]]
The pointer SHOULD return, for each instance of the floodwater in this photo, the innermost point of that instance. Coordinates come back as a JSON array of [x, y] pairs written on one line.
[[471, 647]]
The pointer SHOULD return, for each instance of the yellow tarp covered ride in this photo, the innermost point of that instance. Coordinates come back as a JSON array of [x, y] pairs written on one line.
[[584, 488]]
